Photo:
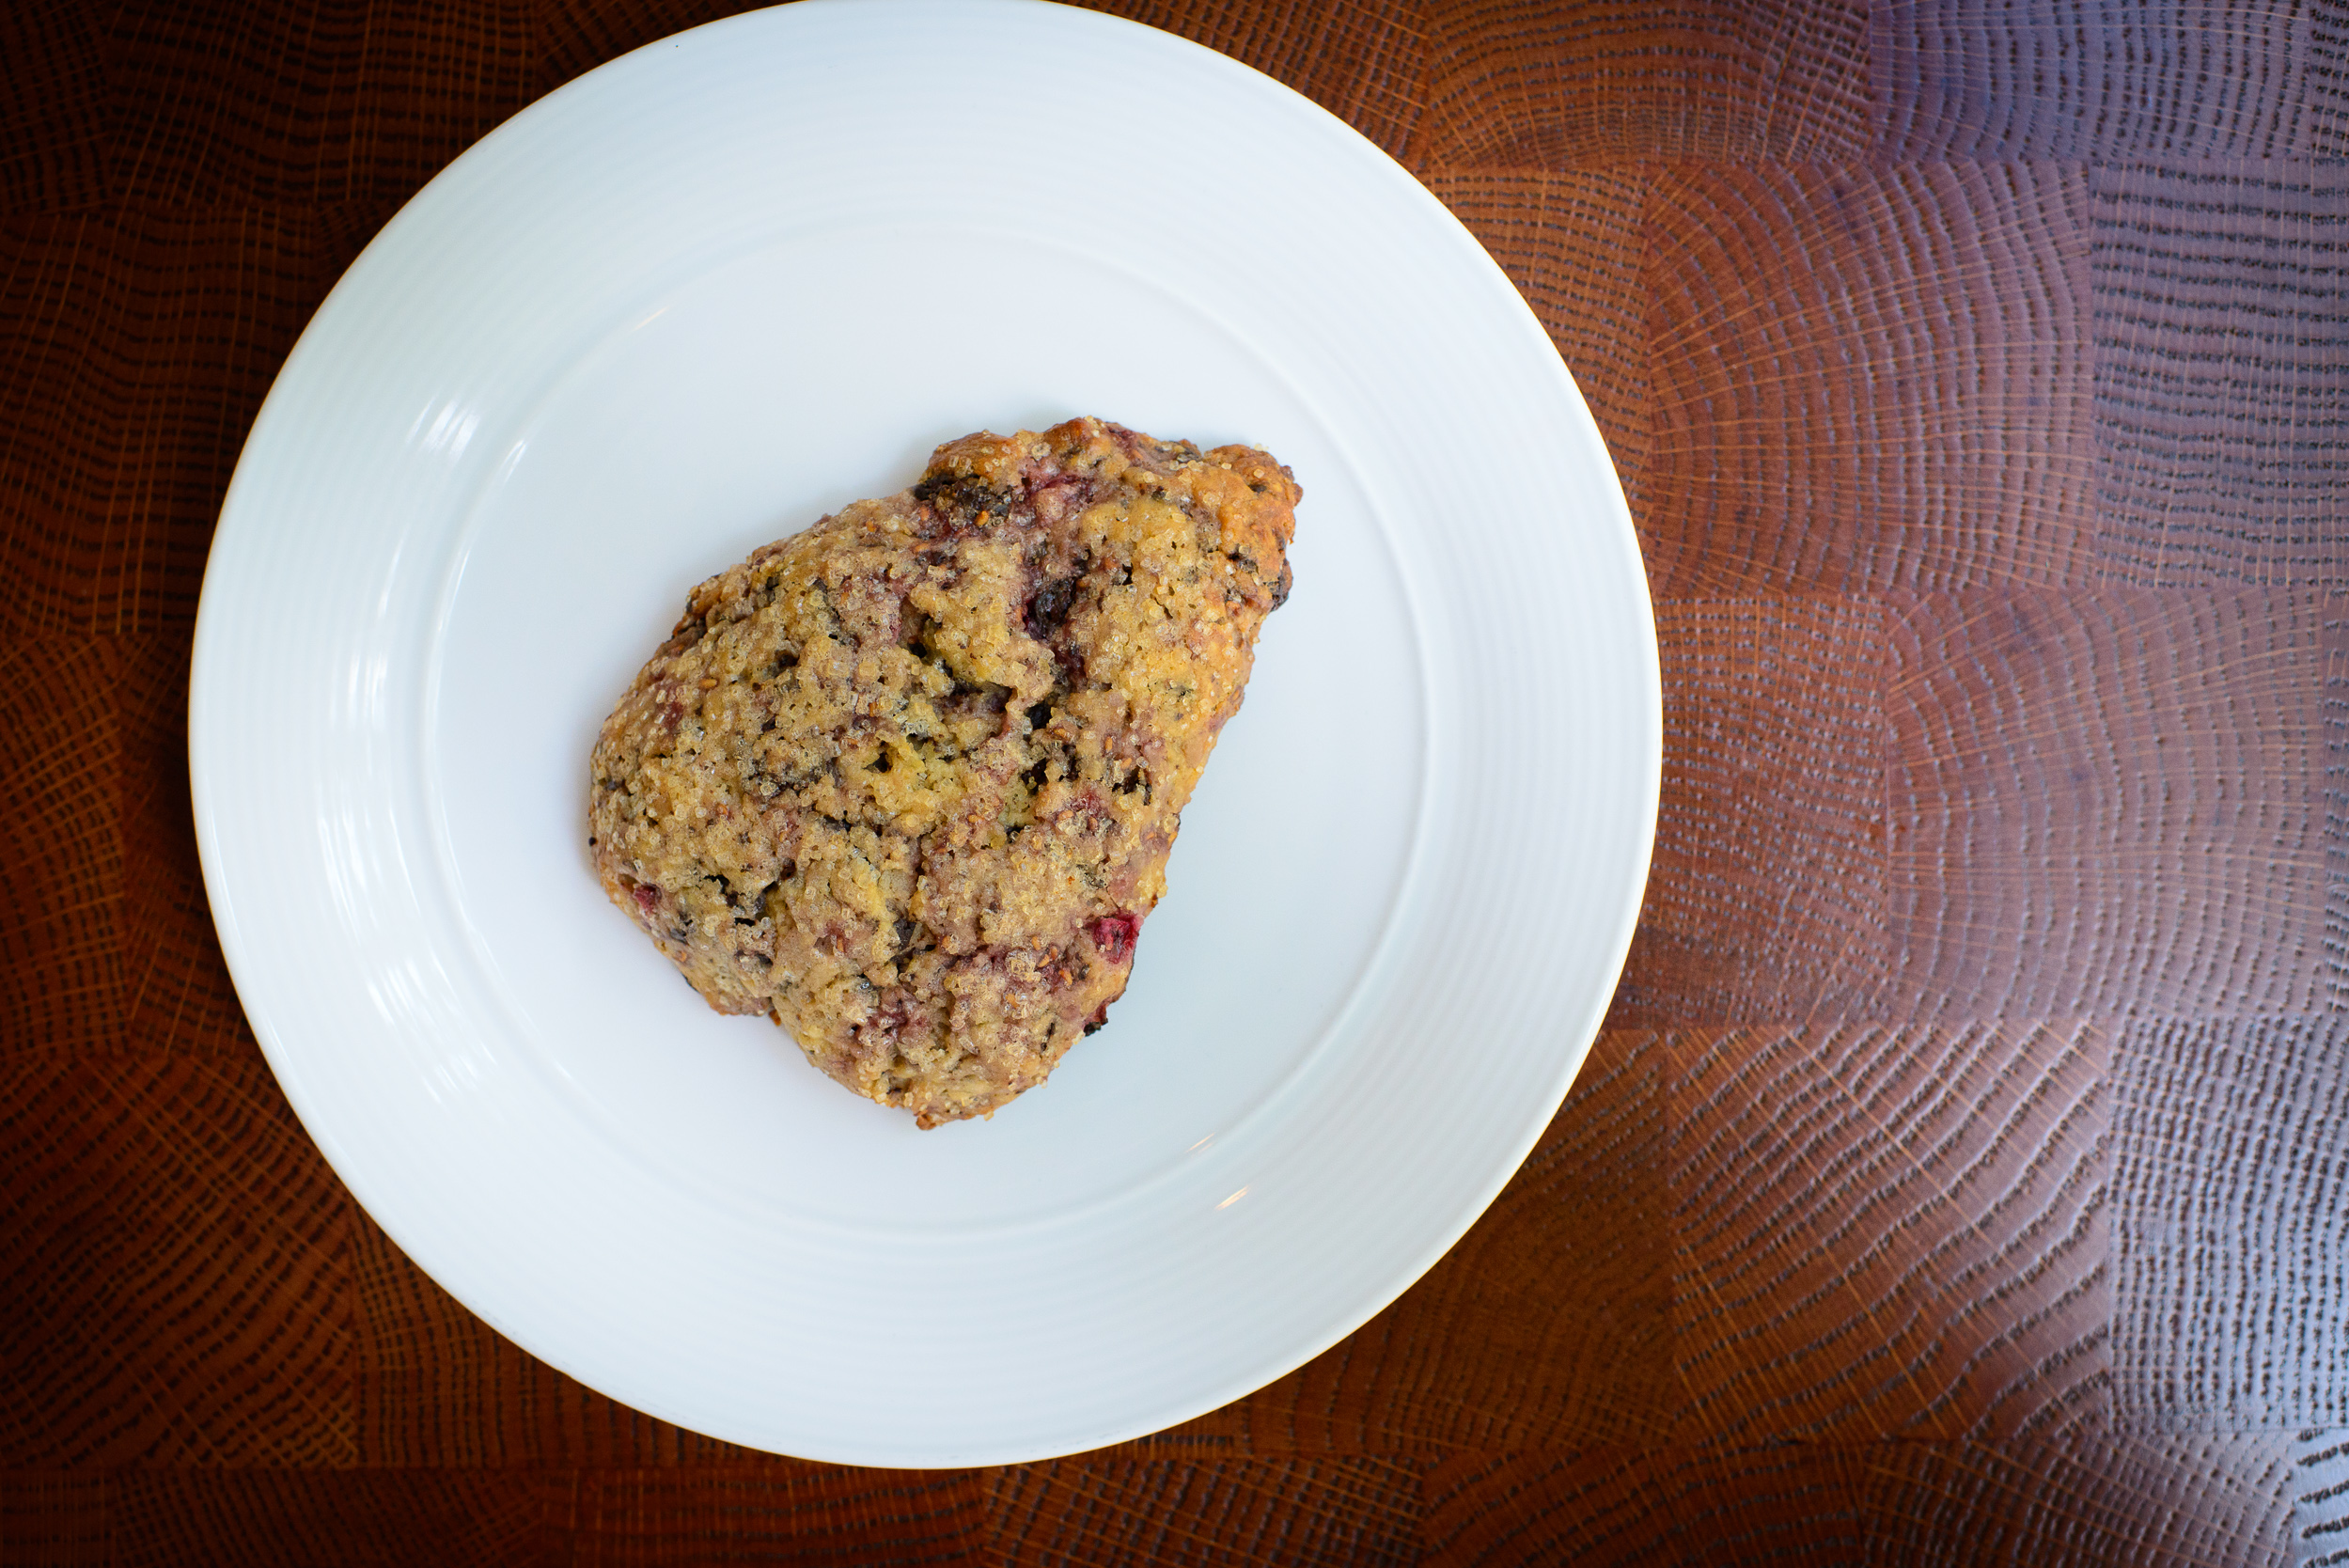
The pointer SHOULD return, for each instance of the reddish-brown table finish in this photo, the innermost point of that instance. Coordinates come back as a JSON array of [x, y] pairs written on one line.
[[1962, 1176]]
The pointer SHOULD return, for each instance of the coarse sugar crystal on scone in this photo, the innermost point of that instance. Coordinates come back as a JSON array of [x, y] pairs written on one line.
[[907, 781]]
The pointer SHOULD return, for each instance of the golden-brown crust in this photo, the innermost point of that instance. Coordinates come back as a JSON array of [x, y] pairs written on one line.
[[907, 781]]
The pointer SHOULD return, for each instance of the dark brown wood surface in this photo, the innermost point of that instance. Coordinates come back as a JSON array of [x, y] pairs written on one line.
[[1964, 1174]]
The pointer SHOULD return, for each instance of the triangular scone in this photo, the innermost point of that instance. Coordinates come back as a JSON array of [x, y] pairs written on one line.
[[908, 780]]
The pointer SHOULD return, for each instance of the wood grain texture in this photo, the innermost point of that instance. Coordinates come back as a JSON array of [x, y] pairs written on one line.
[[61, 966], [2107, 802], [1799, 1504], [2318, 1530], [1767, 896], [769, 1511], [1606, 80], [1958, 1178], [57, 311], [57, 1518], [1890, 1233], [54, 131], [306, 101], [2336, 766], [2095, 1501], [1572, 241], [438, 1389], [1108, 1512], [1362, 60], [1547, 1324], [2231, 1217], [175, 993], [2105, 1501], [1866, 379], [160, 331], [309, 1518], [171, 1268], [2222, 390], [2111, 80]]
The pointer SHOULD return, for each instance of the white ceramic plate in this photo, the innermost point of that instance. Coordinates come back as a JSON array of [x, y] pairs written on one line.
[[687, 304]]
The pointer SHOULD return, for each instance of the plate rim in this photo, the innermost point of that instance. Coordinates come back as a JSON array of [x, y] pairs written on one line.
[[204, 781]]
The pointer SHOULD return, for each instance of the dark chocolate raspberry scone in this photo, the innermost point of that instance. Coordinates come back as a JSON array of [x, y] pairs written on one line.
[[907, 781]]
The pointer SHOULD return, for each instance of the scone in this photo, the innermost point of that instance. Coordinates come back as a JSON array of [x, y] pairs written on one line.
[[907, 781]]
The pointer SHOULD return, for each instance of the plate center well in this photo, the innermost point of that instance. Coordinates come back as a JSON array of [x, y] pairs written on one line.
[[738, 409]]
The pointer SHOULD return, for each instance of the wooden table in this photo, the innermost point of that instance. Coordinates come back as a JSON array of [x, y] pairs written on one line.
[[1963, 1173]]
